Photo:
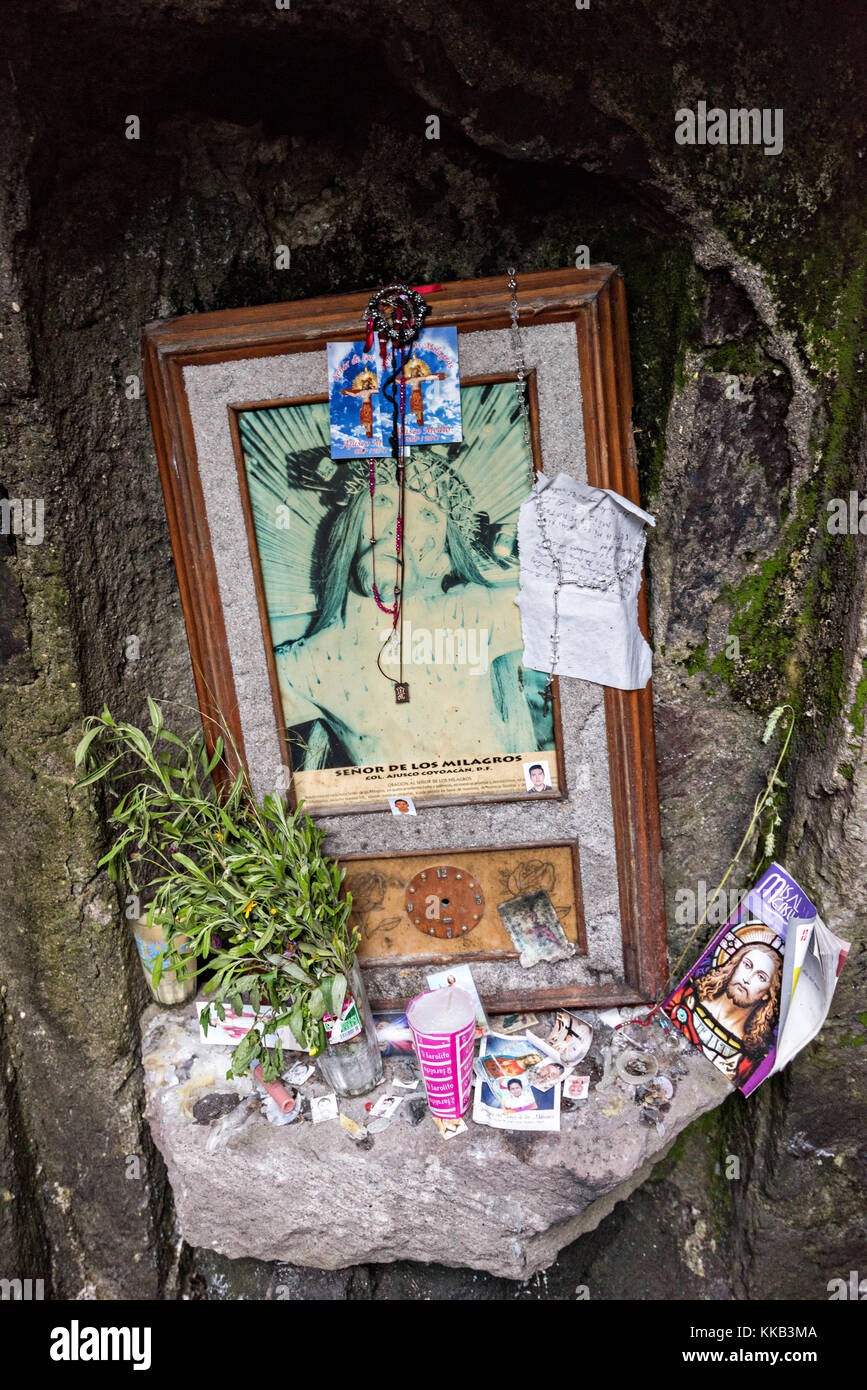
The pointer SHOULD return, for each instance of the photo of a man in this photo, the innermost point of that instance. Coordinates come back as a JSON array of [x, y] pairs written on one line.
[[549, 1072], [516, 1096], [537, 778]]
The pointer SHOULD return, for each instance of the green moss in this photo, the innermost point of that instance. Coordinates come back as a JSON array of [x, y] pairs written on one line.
[[697, 661], [664, 295], [745, 358], [856, 713], [856, 1039], [723, 666], [846, 770], [766, 626]]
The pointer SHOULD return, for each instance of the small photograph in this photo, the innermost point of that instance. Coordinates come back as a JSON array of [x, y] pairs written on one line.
[[498, 1065], [323, 1108], [576, 1088], [461, 975], [299, 1073], [505, 1097], [537, 777], [516, 1023], [359, 413], [433, 394], [385, 1107], [393, 1034], [402, 806], [515, 1094], [357, 426], [449, 1128], [547, 1074], [229, 1031], [532, 922], [570, 1037]]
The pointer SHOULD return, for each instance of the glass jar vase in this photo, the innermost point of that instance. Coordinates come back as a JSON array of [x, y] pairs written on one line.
[[352, 1064], [174, 987]]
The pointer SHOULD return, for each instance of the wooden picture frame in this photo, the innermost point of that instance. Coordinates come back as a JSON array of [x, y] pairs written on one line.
[[235, 345]]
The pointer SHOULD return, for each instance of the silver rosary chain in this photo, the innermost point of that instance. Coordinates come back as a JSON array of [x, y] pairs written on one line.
[[521, 391], [588, 580]]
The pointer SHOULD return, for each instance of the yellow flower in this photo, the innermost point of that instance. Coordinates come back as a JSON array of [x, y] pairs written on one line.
[[273, 911], [248, 909]]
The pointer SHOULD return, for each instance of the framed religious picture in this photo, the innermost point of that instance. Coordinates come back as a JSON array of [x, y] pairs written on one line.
[[476, 720], [344, 520]]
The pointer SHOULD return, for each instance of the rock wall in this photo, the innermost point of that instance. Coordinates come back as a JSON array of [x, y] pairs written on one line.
[[306, 128]]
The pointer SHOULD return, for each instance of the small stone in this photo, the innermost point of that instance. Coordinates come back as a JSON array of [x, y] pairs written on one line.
[[210, 1108], [415, 1110]]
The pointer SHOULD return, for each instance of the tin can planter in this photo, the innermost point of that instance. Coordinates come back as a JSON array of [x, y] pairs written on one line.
[[151, 944], [351, 1063]]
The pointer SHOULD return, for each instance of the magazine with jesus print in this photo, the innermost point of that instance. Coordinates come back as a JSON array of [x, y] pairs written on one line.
[[762, 989]]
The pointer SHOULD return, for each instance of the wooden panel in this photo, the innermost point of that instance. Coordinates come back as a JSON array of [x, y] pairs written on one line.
[[389, 937], [603, 351]]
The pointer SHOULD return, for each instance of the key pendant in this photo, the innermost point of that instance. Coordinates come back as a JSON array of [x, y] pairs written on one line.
[[401, 692]]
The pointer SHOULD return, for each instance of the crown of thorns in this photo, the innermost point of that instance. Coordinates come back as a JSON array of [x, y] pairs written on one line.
[[430, 476]]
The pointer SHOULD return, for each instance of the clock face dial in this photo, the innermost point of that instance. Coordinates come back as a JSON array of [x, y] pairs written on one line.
[[444, 901]]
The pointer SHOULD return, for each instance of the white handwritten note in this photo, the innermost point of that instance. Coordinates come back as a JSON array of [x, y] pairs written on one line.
[[598, 539]]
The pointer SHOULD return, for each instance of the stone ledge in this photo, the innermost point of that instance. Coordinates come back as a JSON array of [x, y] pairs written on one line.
[[488, 1199]]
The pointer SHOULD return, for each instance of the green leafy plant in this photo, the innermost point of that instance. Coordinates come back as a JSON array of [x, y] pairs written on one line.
[[244, 889]]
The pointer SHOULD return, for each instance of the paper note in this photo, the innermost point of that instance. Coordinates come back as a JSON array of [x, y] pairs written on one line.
[[598, 539]]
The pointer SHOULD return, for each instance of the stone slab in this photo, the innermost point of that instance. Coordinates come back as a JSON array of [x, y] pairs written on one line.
[[488, 1199]]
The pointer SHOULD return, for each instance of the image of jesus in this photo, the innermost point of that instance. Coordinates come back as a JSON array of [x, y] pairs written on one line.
[[365, 387], [415, 373], [466, 693], [731, 1011]]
